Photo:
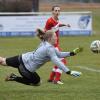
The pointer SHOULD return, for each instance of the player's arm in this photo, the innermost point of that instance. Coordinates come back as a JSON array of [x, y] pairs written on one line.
[[52, 54], [67, 25], [55, 28], [63, 54], [67, 54], [57, 61]]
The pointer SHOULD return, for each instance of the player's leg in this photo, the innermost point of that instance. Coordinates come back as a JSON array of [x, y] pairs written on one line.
[[33, 79], [55, 75], [16, 62], [58, 73], [29, 77], [11, 61], [26, 77], [3, 61], [52, 74]]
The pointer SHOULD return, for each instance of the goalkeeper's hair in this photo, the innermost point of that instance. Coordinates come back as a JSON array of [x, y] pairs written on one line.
[[40, 34], [44, 36], [49, 34]]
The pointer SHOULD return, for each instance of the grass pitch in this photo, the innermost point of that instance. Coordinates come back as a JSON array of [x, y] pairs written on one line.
[[86, 87]]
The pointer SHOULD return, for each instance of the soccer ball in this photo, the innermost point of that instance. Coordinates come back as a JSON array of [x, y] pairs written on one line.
[[95, 46]]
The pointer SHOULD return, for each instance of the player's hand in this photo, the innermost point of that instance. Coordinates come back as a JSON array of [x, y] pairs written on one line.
[[75, 73], [77, 50], [61, 25], [68, 25]]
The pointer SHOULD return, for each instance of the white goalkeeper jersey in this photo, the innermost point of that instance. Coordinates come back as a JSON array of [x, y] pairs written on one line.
[[45, 52]]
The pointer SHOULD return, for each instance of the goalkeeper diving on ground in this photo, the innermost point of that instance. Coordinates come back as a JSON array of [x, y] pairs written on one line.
[[28, 63]]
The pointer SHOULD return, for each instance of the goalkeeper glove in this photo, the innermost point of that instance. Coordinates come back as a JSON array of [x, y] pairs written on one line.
[[75, 73], [76, 50]]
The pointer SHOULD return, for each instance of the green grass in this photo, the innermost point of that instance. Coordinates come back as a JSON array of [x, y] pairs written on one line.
[[86, 87]]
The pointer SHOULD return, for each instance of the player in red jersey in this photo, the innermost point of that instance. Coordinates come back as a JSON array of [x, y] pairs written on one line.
[[54, 24]]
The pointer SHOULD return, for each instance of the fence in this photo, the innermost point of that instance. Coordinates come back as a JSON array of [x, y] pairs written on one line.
[[25, 24]]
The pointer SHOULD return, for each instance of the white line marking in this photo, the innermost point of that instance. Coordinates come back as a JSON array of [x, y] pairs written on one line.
[[89, 69]]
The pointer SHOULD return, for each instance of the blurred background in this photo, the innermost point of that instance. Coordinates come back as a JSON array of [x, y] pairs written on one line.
[[45, 5]]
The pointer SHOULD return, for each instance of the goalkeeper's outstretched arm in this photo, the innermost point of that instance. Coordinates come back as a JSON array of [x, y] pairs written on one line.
[[54, 58], [67, 54]]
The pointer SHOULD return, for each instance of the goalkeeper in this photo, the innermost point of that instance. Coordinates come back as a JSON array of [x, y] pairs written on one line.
[[28, 63]]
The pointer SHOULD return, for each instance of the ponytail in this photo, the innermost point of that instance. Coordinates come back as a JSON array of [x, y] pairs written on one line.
[[44, 36], [40, 34]]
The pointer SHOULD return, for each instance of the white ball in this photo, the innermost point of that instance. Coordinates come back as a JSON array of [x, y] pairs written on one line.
[[95, 46]]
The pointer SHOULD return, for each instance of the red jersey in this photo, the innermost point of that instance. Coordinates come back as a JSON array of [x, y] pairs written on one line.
[[49, 25]]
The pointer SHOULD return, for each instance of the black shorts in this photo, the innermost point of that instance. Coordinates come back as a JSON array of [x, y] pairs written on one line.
[[13, 61], [17, 62], [32, 77]]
